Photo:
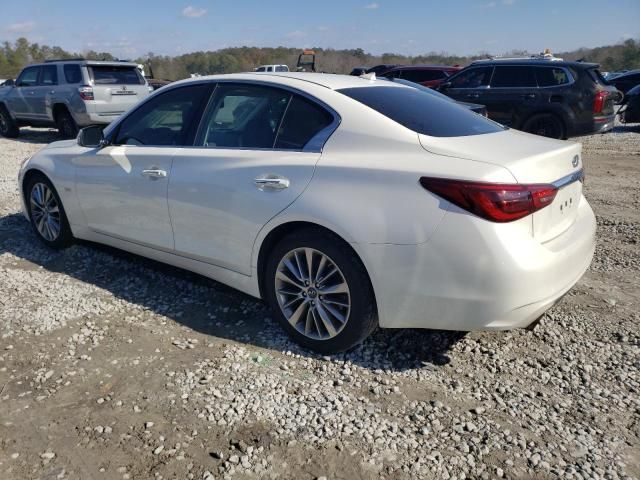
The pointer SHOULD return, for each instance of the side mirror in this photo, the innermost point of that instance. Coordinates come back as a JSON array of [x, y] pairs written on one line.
[[92, 137]]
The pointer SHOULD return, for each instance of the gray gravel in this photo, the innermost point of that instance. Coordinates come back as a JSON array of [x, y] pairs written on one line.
[[113, 366]]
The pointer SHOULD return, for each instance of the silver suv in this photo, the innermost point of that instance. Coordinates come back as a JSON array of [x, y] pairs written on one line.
[[70, 94]]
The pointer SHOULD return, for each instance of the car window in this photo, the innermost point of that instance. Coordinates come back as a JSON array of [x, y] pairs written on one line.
[[165, 119], [551, 77], [260, 69], [28, 77], [392, 74], [49, 75], [472, 78], [421, 112], [115, 75], [422, 75], [302, 121], [72, 73], [513, 77], [282, 68], [243, 116]]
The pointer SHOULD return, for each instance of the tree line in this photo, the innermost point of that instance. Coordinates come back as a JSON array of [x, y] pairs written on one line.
[[14, 56]]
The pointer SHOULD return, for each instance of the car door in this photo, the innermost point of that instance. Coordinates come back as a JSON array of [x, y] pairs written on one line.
[[20, 98], [512, 92], [255, 153], [122, 188], [469, 85], [43, 91]]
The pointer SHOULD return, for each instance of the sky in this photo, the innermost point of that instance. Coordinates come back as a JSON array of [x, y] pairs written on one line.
[[132, 28]]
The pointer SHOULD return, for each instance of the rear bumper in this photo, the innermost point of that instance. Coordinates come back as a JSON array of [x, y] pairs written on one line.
[[476, 275], [600, 124]]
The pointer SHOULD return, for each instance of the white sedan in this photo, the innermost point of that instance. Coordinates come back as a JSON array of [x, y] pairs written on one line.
[[346, 203]]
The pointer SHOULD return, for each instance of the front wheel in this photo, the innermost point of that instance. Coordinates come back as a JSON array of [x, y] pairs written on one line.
[[47, 215], [320, 292], [545, 125], [8, 127]]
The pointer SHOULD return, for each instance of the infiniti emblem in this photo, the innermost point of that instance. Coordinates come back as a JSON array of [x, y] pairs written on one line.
[[575, 161]]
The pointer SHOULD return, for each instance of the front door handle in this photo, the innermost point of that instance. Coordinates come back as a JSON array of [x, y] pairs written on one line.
[[271, 183], [154, 173]]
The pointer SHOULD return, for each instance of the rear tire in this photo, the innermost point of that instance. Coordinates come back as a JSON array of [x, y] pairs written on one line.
[[331, 313], [66, 124], [46, 213], [545, 125], [8, 127]]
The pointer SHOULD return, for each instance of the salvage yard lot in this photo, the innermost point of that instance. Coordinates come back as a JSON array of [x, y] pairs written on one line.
[[113, 366]]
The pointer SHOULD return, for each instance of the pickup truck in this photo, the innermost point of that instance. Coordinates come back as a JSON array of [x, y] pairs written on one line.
[[70, 94]]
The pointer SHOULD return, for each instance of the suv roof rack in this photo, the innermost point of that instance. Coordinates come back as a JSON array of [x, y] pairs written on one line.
[[65, 60]]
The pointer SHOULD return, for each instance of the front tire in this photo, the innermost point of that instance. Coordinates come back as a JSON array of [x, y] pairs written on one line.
[[8, 127], [545, 125], [46, 213], [320, 292]]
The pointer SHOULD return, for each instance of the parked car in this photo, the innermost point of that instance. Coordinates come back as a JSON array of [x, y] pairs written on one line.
[[272, 68], [427, 75], [68, 94], [552, 98], [474, 107], [345, 203], [383, 67], [154, 83], [630, 110], [626, 81], [357, 71]]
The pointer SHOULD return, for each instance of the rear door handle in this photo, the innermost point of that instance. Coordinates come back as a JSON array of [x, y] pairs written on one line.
[[154, 173], [272, 183]]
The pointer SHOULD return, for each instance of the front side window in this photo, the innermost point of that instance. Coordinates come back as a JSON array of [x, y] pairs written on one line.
[[115, 75], [49, 75], [513, 77], [72, 74], [28, 77], [473, 78], [165, 119], [303, 120], [261, 69], [421, 112], [243, 116]]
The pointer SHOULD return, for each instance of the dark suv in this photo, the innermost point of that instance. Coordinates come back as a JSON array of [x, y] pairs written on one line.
[[552, 98]]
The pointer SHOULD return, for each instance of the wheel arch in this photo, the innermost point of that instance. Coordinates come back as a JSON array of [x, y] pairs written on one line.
[[281, 230], [557, 113], [28, 175]]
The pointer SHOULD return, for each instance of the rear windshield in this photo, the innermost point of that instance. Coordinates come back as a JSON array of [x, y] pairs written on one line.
[[115, 75], [423, 113]]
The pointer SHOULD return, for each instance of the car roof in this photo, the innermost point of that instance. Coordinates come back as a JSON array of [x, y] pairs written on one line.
[[108, 63], [626, 74], [533, 62], [328, 80], [426, 67]]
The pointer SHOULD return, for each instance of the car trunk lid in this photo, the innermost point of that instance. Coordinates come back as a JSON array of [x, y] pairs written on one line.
[[531, 159]]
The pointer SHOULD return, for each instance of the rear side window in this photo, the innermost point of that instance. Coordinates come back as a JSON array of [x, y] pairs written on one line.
[[115, 75], [472, 78], [282, 68], [421, 112], [302, 121], [422, 75], [597, 77], [72, 74], [165, 119], [49, 75], [28, 77], [513, 77], [551, 77]]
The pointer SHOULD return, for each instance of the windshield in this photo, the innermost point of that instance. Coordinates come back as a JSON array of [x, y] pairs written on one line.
[[115, 75], [423, 112]]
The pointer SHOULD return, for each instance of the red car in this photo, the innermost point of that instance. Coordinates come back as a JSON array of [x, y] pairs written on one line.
[[427, 75]]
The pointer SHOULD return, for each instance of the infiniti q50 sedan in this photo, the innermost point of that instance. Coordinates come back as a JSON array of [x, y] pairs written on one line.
[[346, 203]]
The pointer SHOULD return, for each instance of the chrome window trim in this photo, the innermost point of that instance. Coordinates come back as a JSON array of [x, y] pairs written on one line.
[[314, 145]]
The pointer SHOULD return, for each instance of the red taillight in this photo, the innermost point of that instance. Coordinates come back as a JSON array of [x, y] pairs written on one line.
[[86, 93], [497, 202], [598, 101]]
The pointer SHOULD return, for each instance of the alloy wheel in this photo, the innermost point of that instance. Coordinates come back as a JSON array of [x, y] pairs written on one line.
[[312, 293], [45, 211]]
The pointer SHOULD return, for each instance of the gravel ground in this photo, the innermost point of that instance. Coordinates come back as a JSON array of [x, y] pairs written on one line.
[[113, 366]]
